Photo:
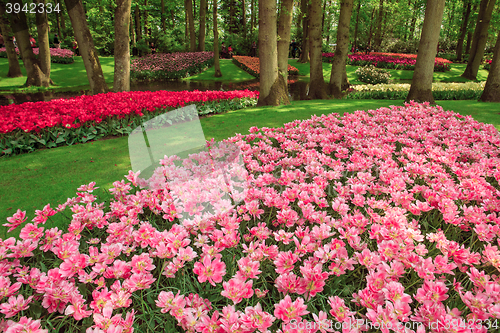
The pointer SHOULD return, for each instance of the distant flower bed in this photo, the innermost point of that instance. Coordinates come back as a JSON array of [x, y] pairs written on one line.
[[168, 66], [57, 56], [30, 126], [487, 64], [440, 90], [251, 65], [389, 60]]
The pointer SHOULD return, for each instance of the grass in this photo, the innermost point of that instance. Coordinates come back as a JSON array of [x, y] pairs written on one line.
[[230, 72], [65, 76], [30, 181]]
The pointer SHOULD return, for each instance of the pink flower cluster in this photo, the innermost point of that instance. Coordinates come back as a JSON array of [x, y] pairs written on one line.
[[388, 60], [76, 112], [62, 53], [170, 62], [400, 205]]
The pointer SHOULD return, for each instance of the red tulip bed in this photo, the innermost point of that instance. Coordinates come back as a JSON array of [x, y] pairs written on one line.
[[170, 66], [383, 220], [58, 56], [251, 65], [389, 60], [30, 126]]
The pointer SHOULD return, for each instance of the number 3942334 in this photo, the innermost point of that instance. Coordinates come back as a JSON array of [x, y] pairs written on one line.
[[32, 8]]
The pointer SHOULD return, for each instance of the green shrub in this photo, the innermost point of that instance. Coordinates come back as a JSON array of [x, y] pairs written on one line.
[[143, 48], [373, 75]]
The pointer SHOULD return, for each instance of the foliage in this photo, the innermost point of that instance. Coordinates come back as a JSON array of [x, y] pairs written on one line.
[[58, 56], [395, 45], [170, 41], [387, 214], [241, 45], [168, 66], [440, 91], [30, 126], [372, 75], [251, 65], [143, 48]]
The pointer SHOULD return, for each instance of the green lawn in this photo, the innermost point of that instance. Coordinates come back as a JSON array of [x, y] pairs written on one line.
[[30, 181], [230, 72], [65, 76]]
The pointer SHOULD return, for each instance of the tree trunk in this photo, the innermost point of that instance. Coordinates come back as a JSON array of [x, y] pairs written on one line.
[[42, 27], [339, 60], [145, 13], [58, 21], [463, 30], [6, 32], [323, 17], [356, 27], [244, 14], [272, 85], [252, 15], [122, 46], [216, 42], [304, 54], [378, 31], [284, 26], [317, 87], [131, 27], [201, 34], [192, 35], [479, 40], [138, 30], [163, 25], [413, 21], [63, 19], [35, 76], [86, 46], [370, 34], [491, 91], [421, 85]]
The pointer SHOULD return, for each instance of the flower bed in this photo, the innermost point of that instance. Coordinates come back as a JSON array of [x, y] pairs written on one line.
[[440, 91], [386, 217], [169, 66], [389, 60], [251, 65], [58, 56], [30, 126], [372, 75], [487, 64]]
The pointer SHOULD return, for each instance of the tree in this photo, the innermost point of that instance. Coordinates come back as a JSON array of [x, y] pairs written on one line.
[[122, 45], [272, 84], [491, 92], [339, 60], [284, 25], [34, 73], [42, 26], [421, 85], [6, 32], [190, 24], [201, 34], [216, 42], [356, 26], [378, 31], [479, 39], [317, 87], [463, 29], [304, 12], [86, 46]]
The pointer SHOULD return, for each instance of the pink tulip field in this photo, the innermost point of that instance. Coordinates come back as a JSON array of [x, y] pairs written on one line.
[[62, 56], [383, 220]]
